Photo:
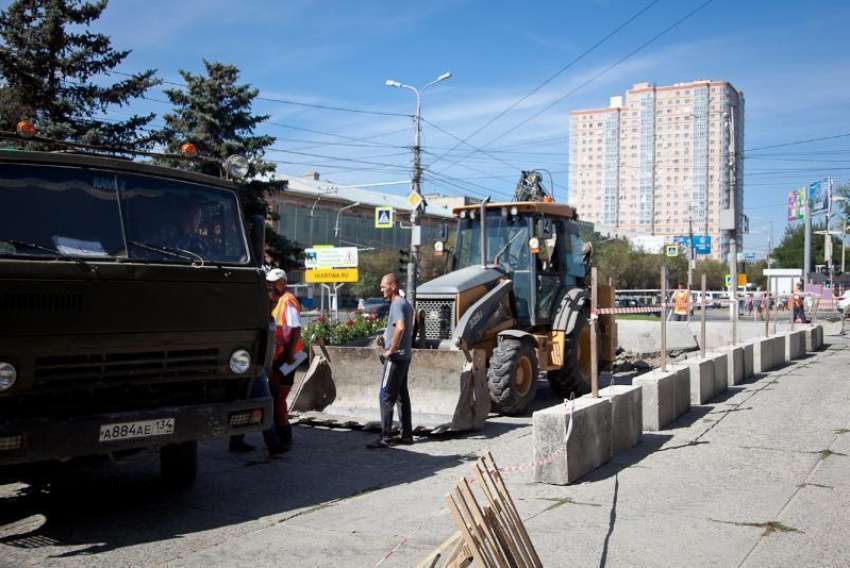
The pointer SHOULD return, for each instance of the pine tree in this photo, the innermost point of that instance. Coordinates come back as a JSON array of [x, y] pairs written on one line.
[[53, 72], [213, 112]]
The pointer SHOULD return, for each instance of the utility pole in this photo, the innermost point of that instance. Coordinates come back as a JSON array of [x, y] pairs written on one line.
[[416, 188], [691, 258], [807, 234], [733, 233], [827, 245]]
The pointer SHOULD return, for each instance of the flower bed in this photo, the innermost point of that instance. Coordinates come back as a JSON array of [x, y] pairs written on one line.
[[343, 332]]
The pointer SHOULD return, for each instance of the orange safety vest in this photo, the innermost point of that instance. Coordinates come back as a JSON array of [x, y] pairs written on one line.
[[279, 315], [680, 300]]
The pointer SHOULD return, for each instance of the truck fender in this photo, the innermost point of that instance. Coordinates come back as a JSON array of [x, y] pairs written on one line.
[[517, 334], [571, 307], [482, 315]]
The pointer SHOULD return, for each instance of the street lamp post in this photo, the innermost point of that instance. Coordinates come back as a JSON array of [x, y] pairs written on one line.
[[336, 225], [416, 229]]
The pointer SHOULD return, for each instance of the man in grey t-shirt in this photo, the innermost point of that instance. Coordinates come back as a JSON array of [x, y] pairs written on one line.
[[398, 343]]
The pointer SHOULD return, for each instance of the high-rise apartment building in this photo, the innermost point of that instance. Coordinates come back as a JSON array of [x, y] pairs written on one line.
[[658, 159]]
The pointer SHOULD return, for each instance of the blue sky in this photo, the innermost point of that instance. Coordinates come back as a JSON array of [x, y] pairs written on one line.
[[787, 57]]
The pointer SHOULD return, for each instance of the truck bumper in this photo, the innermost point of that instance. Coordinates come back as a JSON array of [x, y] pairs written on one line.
[[40, 440]]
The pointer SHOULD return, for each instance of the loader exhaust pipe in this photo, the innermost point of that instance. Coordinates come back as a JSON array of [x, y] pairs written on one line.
[[484, 232]]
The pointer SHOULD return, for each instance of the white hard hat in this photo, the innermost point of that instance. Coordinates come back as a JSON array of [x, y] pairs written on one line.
[[276, 274]]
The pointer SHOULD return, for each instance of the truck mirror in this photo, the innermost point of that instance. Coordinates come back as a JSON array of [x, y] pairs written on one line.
[[258, 239]]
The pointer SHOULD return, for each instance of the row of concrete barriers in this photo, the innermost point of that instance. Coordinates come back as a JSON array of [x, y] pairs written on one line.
[[614, 422]]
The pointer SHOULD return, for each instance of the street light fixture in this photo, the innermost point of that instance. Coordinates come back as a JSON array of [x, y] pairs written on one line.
[[338, 213], [415, 233]]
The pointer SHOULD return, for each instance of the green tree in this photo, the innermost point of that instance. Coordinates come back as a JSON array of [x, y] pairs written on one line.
[[213, 112], [789, 253], [373, 265], [54, 72]]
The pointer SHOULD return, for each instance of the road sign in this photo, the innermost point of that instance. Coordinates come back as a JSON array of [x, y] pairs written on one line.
[[340, 257], [383, 217], [672, 250], [327, 275], [742, 280], [414, 199]]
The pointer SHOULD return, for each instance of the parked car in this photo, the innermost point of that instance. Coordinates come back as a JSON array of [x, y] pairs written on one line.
[[378, 306], [844, 303]]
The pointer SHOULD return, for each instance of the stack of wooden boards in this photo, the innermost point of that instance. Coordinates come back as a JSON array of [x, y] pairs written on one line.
[[488, 536]]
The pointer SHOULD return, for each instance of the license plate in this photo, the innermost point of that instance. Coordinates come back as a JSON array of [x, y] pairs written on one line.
[[142, 429]]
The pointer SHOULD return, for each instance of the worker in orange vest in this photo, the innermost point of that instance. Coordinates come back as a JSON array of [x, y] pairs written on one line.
[[681, 299], [796, 303], [289, 352]]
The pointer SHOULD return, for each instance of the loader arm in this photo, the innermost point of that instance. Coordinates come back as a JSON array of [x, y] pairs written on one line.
[[485, 316]]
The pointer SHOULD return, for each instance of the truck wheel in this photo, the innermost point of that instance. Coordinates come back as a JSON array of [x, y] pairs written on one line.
[[512, 376], [575, 377], [179, 464]]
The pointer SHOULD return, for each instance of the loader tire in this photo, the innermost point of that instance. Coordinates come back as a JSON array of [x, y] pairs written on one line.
[[512, 376], [575, 377]]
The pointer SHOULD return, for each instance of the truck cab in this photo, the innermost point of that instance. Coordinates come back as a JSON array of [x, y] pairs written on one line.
[[134, 311]]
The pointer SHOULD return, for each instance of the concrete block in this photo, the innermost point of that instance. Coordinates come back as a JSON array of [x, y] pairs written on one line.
[[590, 444], [763, 358], [683, 389], [779, 355], [626, 415], [702, 379], [814, 337], [734, 364], [721, 372], [658, 398], [748, 360], [795, 344]]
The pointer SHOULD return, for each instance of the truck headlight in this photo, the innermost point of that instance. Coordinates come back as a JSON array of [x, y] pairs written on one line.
[[8, 376], [240, 360]]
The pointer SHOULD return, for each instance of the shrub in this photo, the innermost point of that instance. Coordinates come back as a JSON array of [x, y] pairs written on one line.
[[342, 332]]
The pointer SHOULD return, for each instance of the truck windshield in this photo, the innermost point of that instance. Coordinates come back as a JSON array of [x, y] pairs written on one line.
[[64, 211], [507, 239]]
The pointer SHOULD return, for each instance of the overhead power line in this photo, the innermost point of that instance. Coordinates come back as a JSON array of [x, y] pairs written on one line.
[[592, 79], [553, 77]]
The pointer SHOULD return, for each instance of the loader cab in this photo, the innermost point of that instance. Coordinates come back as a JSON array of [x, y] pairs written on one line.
[[541, 276]]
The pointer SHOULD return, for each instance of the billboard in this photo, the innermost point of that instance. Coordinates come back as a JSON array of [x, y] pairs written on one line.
[[819, 196], [797, 204]]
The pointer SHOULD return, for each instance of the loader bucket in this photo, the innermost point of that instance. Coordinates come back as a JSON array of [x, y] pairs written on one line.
[[448, 392]]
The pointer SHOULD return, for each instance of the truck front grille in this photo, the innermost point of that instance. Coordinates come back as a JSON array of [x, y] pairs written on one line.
[[57, 372], [439, 318]]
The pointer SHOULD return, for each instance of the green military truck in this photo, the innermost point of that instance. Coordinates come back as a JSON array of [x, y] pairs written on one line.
[[133, 312]]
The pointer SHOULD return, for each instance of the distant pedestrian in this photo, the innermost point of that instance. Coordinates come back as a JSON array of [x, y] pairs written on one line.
[[681, 299], [398, 349]]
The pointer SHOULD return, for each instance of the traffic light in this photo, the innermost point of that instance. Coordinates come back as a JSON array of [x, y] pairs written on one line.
[[403, 259]]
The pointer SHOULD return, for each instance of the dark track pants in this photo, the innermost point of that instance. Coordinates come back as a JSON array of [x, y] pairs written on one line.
[[394, 391]]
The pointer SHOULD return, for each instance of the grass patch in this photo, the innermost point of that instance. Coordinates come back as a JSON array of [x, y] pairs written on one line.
[[639, 317], [769, 527], [827, 453], [842, 431], [470, 457]]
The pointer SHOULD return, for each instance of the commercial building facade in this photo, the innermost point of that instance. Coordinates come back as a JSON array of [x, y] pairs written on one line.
[[657, 161]]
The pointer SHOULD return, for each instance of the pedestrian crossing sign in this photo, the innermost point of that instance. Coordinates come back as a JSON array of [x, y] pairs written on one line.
[[383, 217], [672, 250]]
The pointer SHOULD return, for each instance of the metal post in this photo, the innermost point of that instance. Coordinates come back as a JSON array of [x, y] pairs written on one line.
[[766, 300], [827, 247], [594, 344], [702, 319], [663, 318], [733, 234], [843, 243], [807, 235], [691, 262]]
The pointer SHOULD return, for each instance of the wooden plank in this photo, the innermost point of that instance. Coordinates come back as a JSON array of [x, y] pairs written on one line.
[[468, 538], [478, 518], [503, 490], [501, 515], [475, 528], [432, 559]]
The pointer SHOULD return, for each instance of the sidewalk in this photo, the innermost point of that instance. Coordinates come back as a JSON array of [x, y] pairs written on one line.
[[760, 478]]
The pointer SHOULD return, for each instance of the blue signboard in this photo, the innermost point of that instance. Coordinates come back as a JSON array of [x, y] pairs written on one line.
[[702, 243], [819, 196]]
